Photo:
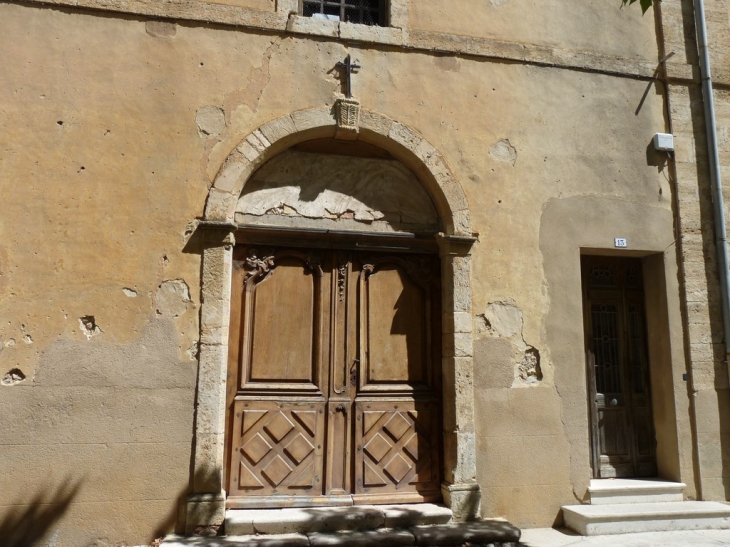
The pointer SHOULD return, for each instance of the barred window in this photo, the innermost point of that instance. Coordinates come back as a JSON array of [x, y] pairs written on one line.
[[364, 12]]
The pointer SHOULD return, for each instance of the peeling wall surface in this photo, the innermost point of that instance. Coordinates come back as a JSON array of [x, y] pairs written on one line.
[[377, 194], [117, 118]]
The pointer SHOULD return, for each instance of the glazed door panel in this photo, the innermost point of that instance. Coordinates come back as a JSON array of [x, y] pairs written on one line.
[[623, 442], [333, 396]]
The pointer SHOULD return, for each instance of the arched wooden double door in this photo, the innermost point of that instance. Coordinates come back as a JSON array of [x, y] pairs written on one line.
[[333, 388]]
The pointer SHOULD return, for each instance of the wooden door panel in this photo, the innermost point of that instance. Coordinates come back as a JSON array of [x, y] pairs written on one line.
[[613, 427], [396, 455], [277, 448], [395, 325], [284, 309], [622, 426], [339, 455], [282, 322], [395, 333], [613, 432]]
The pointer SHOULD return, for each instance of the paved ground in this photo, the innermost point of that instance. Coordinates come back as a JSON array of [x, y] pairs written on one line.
[[547, 537]]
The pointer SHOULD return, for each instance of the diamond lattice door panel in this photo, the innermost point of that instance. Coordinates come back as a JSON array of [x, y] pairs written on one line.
[[277, 448], [397, 456]]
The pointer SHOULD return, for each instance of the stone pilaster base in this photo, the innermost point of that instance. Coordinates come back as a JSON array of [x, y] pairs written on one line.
[[463, 499], [204, 510]]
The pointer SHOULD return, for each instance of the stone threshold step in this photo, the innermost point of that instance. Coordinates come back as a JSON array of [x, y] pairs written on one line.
[[592, 520], [612, 491], [242, 522], [493, 532]]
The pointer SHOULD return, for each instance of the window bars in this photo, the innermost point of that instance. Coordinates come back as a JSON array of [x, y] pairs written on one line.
[[364, 12]]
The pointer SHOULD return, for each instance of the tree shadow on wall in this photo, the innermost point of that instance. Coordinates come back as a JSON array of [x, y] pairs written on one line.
[[28, 522], [174, 520]]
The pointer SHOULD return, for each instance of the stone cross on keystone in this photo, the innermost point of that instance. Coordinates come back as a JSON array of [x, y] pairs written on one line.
[[349, 69]]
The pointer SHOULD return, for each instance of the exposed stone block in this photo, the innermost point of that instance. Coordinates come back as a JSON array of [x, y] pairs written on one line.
[[215, 313], [249, 151], [277, 129], [399, 15], [258, 141], [220, 205], [213, 335], [254, 147], [455, 196], [457, 345], [461, 223], [405, 136], [368, 538], [375, 122], [208, 477], [426, 151], [211, 120], [437, 41], [463, 499], [456, 322], [204, 511], [462, 284], [231, 177], [216, 278], [311, 119], [480, 533], [375, 34], [287, 6], [509, 50], [314, 27]]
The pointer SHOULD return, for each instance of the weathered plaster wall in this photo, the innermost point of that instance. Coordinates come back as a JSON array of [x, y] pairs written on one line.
[[707, 386], [112, 130], [592, 25], [678, 30]]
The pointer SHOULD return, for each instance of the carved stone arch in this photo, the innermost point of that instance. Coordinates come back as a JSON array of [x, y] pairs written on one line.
[[206, 503], [401, 141]]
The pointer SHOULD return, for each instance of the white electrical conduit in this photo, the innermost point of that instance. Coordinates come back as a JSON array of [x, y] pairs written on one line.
[[715, 179]]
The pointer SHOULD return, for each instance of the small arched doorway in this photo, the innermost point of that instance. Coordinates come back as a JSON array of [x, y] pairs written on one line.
[[223, 229], [334, 378]]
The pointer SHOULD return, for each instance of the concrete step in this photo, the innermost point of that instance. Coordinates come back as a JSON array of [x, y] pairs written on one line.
[[612, 491], [624, 518], [495, 533], [240, 522]]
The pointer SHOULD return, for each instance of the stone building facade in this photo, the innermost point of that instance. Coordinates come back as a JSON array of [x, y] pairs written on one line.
[[143, 143]]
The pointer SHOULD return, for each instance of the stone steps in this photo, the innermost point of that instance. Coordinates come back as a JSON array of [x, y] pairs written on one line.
[[240, 522], [624, 518], [616, 491], [492, 533], [623, 506], [422, 524]]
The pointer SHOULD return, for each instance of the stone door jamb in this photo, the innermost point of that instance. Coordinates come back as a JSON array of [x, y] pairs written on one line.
[[206, 503]]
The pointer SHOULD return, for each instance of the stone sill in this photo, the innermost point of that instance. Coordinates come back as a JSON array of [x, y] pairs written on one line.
[[208, 12]]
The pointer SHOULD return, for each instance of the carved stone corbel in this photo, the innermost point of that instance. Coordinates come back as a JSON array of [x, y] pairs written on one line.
[[348, 119]]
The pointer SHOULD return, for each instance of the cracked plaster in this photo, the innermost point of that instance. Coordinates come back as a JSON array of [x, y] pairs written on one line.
[[316, 186]]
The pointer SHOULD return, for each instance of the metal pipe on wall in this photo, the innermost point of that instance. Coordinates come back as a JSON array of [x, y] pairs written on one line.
[[718, 204]]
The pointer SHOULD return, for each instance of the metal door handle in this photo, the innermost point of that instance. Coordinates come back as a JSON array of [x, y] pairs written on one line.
[[613, 402], [353, 372]]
